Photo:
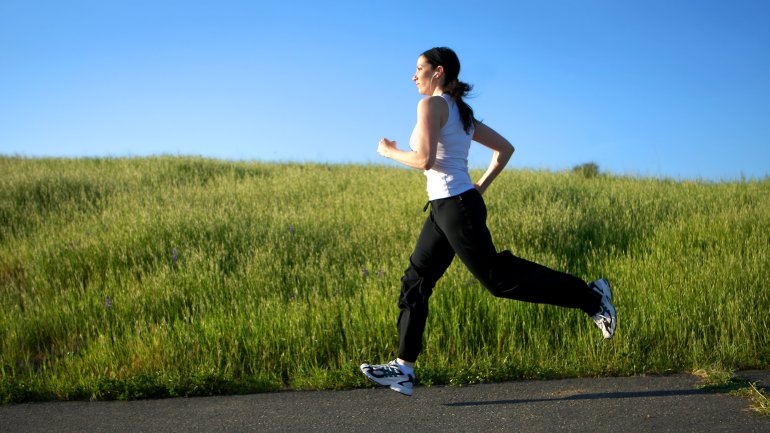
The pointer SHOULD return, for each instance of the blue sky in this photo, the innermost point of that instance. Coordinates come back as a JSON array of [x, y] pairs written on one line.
[[675, 89]]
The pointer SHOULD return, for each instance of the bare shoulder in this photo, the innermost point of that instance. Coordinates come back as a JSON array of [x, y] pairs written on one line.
[[433, 104]]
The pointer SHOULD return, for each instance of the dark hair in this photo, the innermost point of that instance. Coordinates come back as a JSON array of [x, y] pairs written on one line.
[[443, 56]]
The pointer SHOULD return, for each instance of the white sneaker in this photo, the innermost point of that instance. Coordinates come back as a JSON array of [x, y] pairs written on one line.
[[389, 375], [606, 319]]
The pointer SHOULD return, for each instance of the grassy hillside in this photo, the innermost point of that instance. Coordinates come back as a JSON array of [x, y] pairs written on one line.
[[129, 278]]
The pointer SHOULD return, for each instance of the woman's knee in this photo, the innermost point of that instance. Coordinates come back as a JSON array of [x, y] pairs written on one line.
[[416, 288], [498, 279]]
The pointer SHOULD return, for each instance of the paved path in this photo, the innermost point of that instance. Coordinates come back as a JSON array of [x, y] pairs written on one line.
[[631, 404]]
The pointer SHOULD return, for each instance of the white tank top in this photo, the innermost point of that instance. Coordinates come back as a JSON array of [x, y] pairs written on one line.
[[449, 175]]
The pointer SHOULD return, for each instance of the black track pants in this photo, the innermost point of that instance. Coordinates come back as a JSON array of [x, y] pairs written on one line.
[[457, 225]]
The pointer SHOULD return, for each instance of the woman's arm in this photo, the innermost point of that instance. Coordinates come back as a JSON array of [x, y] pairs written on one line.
[[503, 151], [429, 115]]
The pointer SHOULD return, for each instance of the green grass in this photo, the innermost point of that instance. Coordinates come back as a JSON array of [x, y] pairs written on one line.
[[173, 276], [727, 382]]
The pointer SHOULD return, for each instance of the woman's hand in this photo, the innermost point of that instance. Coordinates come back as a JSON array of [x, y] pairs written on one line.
[[480, 188], [385, 147], [424, 141]]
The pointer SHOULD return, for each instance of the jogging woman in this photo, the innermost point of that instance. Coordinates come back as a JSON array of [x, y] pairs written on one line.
[[457, 225]]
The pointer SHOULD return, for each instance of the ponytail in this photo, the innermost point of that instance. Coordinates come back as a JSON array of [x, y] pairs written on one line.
[[457, 90]]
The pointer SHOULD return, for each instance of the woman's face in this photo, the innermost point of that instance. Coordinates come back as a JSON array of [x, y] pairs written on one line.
[[426, 77]]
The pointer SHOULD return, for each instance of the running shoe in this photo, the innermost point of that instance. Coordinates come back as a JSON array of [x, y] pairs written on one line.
[[606, 319], [602, 287], [389, 375]]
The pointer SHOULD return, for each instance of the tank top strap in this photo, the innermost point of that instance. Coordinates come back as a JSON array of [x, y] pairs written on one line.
[[448, 99]]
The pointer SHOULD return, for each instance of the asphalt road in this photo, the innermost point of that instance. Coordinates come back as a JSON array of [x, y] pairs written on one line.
[[671, 403]]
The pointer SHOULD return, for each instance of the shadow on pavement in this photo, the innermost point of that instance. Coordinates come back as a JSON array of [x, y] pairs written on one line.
[[593, 396]]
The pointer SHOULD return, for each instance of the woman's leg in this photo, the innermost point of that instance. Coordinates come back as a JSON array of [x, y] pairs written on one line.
[[463, 219], [431, 257]]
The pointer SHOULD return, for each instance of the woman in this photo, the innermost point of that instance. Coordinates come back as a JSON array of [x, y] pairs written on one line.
[[457, 221]]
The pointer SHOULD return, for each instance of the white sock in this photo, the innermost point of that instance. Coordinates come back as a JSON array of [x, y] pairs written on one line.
[[405, 368]]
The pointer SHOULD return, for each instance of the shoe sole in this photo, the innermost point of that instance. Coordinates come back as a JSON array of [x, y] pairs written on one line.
[[614, 313], [614, 316], [403, 391]]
